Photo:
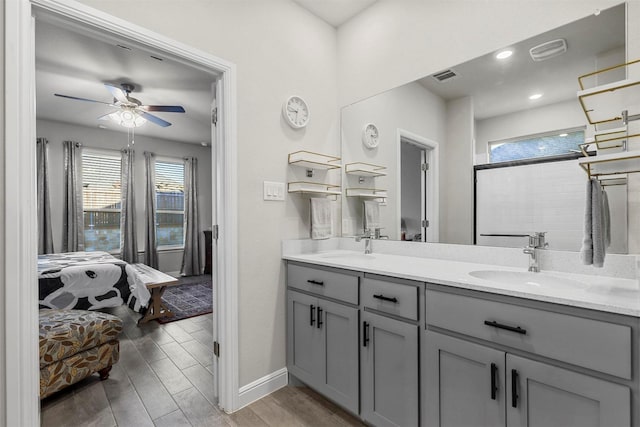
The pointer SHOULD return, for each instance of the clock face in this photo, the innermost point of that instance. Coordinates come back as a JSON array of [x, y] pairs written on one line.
[[296, 112], [370, 136]]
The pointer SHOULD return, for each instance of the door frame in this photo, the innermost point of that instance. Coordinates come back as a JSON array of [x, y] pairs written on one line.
[[19, 351], [433, 181]]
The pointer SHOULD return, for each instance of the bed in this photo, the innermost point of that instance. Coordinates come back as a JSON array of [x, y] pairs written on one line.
[[89, 281]]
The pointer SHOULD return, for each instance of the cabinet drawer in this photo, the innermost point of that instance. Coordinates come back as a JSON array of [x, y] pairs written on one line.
[[400, 299], [593, 344], [327, 283]]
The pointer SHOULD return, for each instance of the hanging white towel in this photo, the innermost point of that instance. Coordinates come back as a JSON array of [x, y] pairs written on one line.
[[593, 248], [320, 218], [371, 215], [606, 219], [597, 224]]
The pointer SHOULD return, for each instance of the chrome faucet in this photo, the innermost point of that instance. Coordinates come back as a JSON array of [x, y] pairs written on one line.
[[536, 241], [367, 236]]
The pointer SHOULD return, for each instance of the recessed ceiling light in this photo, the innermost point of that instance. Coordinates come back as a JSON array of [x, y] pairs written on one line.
[[102, 126], [535, 96], [504, 54], [563, 134]]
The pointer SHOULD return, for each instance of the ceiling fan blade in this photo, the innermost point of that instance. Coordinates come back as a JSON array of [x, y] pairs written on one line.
[[117, 93], [81, 99], [154, 119], [164, 108]]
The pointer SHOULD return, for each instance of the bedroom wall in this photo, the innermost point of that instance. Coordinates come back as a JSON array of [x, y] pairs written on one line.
[[56, 132]]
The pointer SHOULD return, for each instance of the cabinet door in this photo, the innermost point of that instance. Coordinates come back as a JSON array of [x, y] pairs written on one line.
[[389, 366], [542, 395], [339, 326], [464, 383], [304, 352]]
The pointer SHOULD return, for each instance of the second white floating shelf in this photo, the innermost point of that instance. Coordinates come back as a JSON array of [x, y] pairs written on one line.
[[365, 169], [312, 160], [314, 188], [368, 193], [611, 164]]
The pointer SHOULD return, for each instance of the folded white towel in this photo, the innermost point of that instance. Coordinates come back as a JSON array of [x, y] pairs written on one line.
[[593, 248], [320, 218], [371, 215]]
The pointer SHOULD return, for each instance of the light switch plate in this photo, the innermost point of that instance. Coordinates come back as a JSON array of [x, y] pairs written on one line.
[[273, 190]]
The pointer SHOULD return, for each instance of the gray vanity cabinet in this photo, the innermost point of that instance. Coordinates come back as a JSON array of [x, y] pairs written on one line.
[[543, 395], [464, 383], [468, 384], [389, 364], [322, 333], [389, 352], [500, 384]]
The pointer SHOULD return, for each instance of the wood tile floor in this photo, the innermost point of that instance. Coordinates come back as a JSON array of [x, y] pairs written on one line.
[[164, 378]]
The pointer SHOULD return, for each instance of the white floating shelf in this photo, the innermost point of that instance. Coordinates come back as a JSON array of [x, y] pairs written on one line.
[[605, 103], [367, 193], [612, 181], [314, 188], [365, 169], [312, 160], [611, 164]]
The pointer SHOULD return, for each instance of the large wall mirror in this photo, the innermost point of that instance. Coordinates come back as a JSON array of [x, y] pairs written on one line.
[[484, 152]]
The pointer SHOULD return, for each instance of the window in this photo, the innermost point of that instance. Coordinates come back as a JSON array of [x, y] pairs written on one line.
[[101, 199], [169, 203], [543, 145]]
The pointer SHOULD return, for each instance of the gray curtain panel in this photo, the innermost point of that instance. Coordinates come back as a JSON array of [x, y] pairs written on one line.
[[150, 245], [73, 220], [45, 234], [128, 241], [191, 256]]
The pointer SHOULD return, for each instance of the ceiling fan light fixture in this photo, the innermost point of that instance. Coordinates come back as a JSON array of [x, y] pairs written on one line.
[[128, 118]]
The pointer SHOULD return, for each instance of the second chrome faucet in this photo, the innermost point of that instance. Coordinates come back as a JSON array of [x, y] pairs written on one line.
[[536, 241]]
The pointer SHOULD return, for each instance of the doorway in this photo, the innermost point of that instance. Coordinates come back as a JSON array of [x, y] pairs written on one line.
[[418, 188], [21, 368]]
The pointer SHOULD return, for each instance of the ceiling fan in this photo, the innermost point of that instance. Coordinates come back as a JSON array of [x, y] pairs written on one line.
[[131, 112]]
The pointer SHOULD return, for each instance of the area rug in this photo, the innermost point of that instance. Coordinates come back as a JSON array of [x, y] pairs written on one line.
[[192, 297]]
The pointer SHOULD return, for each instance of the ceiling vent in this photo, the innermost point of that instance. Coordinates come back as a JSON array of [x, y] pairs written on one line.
[[548, 50], [444, 75]]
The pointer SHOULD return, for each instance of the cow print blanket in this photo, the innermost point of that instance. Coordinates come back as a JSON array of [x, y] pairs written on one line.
[[89, 281]]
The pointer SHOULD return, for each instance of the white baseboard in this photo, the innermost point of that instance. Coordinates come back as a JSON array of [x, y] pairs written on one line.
[[175, 274], [262, 387]]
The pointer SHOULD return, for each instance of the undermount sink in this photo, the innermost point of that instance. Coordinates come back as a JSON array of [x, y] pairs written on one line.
[[349, 256], [539, 280]]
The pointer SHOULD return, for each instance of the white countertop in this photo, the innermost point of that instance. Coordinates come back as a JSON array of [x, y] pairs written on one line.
[[609, 294]]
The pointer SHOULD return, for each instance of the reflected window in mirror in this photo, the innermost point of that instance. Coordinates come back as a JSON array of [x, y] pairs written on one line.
[[548, 144]]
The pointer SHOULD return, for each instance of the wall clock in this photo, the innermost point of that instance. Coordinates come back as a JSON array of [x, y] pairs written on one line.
[[370, 136], [296, 112]]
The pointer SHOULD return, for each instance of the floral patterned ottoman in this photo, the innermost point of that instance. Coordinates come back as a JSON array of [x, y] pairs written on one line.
[[74, 344]]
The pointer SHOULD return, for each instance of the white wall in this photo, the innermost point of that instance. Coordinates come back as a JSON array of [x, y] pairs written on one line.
[[563, 115], [394, 42], [456, 195], [57, 132], [280, 49], [410, 107]]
